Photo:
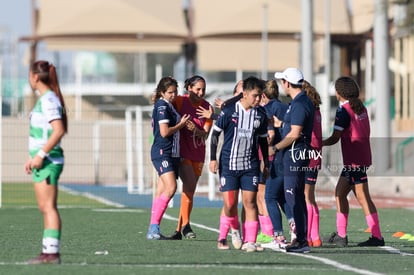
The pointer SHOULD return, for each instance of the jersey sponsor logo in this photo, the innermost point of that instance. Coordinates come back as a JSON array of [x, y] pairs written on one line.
[[161, 109], [235, 118], [244, 133]]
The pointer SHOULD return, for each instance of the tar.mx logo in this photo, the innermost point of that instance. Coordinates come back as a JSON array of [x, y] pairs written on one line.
[[304, 153]]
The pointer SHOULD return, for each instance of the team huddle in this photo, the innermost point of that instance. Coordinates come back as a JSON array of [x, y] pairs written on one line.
[[271, 152]]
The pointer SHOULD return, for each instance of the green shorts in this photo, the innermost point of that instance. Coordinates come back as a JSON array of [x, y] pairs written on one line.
[[49, 172]]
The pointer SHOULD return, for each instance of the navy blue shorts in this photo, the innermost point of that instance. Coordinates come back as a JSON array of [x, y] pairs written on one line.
[[166, 164], [235, 180], [356, 174], [311, 176]]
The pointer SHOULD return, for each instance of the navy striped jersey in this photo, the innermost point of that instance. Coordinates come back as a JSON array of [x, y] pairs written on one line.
[[169, 146], [241, 131]]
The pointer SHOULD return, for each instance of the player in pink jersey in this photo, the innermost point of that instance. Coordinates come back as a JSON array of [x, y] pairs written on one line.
[[192, 149], [315, 161], [352, 127]]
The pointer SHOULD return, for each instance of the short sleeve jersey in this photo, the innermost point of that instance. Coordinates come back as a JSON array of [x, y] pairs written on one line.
[[355, 144], [316, 142], [46, 109], [241, 129], [164, 112], [276, 108], [300, 112], [191, 146]]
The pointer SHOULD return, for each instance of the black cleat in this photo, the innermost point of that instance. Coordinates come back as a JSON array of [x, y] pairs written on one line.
[[337, 240], [372, 241]]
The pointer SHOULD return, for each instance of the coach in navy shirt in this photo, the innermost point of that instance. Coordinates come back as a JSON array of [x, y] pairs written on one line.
[[296, 136]]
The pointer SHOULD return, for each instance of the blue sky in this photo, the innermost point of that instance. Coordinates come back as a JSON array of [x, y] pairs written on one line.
[[15, 16]]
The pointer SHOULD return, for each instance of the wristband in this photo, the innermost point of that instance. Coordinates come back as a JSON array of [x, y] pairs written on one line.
[[42, 154]]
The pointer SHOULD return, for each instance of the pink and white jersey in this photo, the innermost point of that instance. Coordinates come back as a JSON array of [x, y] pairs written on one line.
[[356, 148], [316, 141], [191, 146]]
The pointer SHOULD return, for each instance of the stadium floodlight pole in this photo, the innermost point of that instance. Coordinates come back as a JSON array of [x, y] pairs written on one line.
[[382, 87], [307, 40]]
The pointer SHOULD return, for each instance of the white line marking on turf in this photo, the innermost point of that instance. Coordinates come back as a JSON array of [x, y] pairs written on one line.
[[168, 217], [396, 251], [323, 260], [119, 210], [337, 264], [91, 196]]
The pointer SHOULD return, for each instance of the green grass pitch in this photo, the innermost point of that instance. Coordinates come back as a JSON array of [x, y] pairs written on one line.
[[90, 227]]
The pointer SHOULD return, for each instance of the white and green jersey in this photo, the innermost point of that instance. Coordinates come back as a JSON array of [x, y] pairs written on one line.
[[47, 109]]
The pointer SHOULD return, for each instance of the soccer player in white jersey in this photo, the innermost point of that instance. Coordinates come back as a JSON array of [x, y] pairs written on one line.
[[244, 125], [48, 124]]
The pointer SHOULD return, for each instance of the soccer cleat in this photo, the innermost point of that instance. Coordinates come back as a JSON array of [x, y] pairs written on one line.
[[278, 243], [263, 238], [222, 245], [176, 236], [337, 240], [236, 240], [154, 233], [188, 233], [44, 258], [315, 243], [298, 247], [372, 241], [259, 247]]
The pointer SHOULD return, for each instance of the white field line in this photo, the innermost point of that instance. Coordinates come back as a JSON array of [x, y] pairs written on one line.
[[323, 260], [168, 217]]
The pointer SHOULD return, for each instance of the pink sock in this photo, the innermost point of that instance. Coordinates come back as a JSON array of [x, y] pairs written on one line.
[[243, 231], [266, 225], [158, 208], [234, 222], [341, 223], [315, 223], [310, 220], [252, 227], [373, 224], [224, 227]]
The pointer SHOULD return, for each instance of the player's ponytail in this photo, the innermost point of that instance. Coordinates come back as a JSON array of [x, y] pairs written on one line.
[[347, 88], [47, 74]]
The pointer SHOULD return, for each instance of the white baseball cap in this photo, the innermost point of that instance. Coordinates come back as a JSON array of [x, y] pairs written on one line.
[[291, 75]]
